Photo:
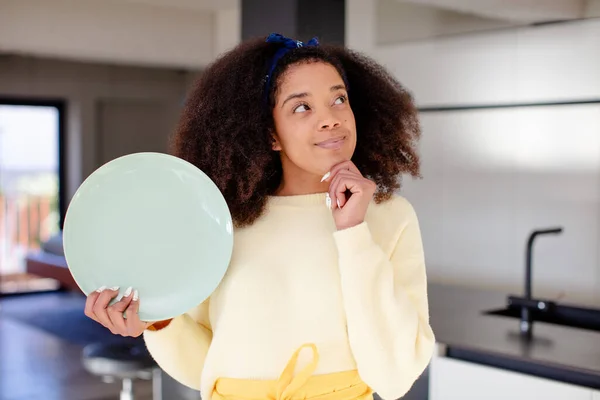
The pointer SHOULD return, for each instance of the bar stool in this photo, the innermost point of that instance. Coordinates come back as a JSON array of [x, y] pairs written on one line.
[[126, 361]]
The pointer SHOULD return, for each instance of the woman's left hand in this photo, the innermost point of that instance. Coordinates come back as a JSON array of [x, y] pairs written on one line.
[[345, 179]]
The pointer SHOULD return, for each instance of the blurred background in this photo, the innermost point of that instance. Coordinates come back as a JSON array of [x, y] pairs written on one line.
[[509, 96]]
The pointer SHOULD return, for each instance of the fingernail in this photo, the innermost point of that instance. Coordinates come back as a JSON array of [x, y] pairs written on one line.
[[328, 201], [325, 176], [135, 295], [101, 289], [338, 203], [114, 288], [128, 292]]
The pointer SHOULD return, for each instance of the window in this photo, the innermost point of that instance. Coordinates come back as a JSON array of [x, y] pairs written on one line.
[[31, 182]]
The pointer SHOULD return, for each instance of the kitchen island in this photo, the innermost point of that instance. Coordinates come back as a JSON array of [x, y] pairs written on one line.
[[483, 356]]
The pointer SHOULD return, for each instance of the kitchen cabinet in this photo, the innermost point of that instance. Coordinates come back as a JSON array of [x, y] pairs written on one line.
[[452, 379]]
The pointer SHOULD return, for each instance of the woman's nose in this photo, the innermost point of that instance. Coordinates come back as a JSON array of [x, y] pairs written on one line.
[[329, 122]]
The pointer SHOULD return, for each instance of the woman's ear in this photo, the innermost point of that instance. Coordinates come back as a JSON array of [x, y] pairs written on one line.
[[275, 144]]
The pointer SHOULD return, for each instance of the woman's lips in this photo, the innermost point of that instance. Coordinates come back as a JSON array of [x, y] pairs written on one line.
[[333, 143]]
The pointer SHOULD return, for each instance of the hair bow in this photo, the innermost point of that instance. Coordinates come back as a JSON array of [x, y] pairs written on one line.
[[287, 44]]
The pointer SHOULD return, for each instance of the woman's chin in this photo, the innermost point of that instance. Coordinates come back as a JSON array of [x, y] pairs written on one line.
[[340, 157]]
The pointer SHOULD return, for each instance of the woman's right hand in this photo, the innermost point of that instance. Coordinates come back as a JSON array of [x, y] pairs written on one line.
[[111, 317]]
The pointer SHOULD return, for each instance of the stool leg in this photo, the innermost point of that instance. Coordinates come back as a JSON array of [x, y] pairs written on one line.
[[127, 390], [156, 384]]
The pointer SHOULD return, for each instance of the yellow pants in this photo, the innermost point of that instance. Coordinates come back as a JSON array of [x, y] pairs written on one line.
[[345, 385]]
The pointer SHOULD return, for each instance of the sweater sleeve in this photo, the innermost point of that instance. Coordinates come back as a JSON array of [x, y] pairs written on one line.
[[385, 299], [181, 347]]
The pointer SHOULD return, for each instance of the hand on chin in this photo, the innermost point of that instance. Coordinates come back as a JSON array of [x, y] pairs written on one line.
[[350, 194]]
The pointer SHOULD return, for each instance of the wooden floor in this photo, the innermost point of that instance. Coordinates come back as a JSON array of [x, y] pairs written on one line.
[[35, 365]]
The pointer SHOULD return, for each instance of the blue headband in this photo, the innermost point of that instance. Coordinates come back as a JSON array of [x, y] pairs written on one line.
[[287, 44]]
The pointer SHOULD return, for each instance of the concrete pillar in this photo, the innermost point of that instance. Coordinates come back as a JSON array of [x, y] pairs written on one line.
[[299, 19]]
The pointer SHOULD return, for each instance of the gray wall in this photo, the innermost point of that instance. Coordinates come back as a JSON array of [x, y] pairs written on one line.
[[493, 175], [95, 94]]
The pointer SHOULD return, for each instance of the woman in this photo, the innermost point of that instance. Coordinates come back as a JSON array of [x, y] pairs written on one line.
[[326, 294]]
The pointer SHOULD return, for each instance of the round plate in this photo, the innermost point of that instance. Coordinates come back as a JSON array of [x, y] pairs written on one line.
[[153, 222]]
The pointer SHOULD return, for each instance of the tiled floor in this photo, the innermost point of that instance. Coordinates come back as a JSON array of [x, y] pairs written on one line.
[[35, 365]]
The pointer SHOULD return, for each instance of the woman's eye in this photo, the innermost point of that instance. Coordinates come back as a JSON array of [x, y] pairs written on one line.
[[301, 108], [340, 100]]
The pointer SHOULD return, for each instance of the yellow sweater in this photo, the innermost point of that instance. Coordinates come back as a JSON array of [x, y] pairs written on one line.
[[359, 294]]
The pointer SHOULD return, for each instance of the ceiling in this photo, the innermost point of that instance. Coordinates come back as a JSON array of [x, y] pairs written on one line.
[[203, 5], [144, 31], [514, 11]]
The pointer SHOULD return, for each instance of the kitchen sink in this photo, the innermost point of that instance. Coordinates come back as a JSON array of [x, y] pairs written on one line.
[[575, 317], [528, 309]]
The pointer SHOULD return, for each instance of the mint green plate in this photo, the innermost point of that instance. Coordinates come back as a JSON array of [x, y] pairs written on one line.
[[153, 222]]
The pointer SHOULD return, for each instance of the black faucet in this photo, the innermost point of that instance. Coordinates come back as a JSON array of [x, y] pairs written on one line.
[[528, 303]]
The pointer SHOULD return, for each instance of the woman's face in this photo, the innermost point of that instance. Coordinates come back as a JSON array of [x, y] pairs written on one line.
[[315, 127]]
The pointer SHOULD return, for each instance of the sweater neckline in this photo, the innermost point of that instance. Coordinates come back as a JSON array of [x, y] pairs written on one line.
[[299, 199]]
